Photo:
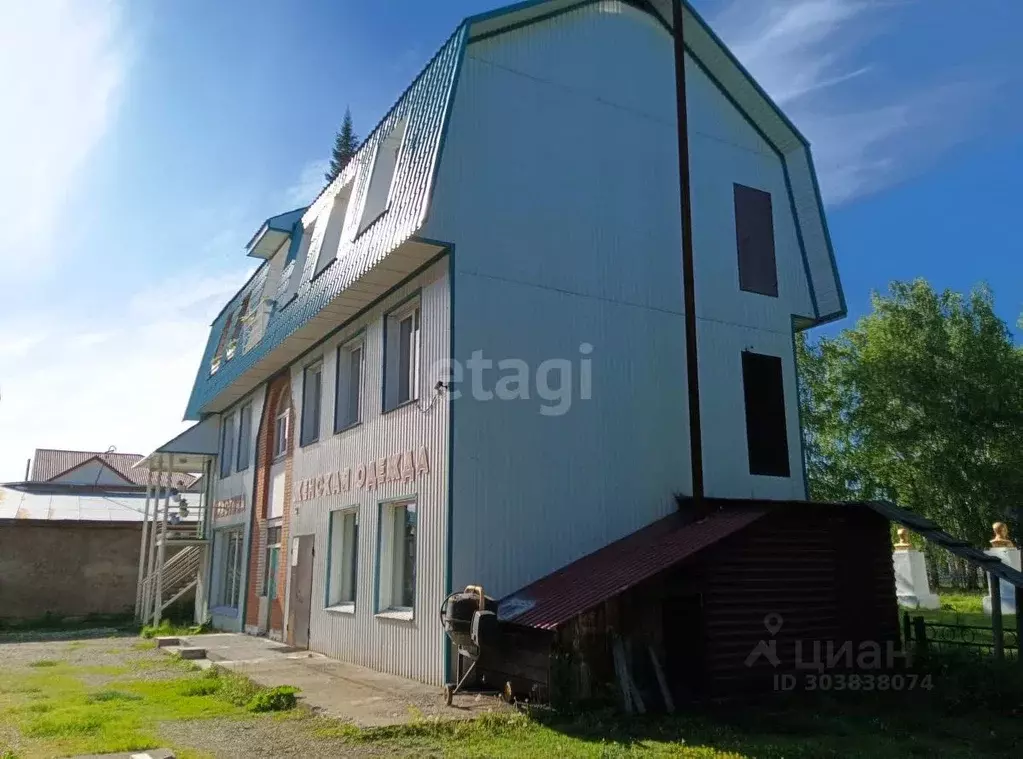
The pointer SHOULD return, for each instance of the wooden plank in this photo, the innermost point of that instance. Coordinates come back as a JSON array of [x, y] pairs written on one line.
[[637, 698], [669, 703], [623, 675]]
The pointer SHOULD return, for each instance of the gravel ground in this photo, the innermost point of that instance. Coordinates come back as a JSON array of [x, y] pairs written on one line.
[[290, 735], [120, 652], [265, 738]]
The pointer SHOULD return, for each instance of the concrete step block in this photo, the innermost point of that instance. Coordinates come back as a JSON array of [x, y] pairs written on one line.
[[191, 652], [167, 640]]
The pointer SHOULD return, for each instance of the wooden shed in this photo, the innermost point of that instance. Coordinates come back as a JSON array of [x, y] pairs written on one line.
[[688, 600]]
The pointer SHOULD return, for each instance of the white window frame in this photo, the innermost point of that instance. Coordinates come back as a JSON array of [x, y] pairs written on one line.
[[343, 577], [231, 545], [227, 452], [316, 419], [393, 559], [377, 198], [282, 430], [244, 445], [393, 353], [276, 531], [343, 383], [298, 265]]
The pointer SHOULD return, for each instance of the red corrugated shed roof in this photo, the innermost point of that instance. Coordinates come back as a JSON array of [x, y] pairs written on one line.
[[557, 598], [50, 463]]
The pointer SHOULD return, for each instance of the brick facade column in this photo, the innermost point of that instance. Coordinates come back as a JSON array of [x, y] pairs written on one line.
[[279, 389]]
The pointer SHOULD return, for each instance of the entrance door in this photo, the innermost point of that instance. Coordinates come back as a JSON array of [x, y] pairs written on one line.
[[301, 592]]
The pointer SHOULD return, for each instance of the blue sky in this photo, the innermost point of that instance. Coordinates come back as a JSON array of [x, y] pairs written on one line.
[[144, 142]]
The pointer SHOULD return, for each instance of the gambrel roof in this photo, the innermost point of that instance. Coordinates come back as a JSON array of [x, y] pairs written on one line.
[[357, 274]]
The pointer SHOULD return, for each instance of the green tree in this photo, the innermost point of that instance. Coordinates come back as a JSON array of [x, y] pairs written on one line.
[[921, 402], [345, 145]]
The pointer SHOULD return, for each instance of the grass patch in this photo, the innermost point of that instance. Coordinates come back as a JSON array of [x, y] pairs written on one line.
[[166, 628], [44, 663], [104, 696], [277, 699], [973, 710], [964, 610], [779, 728], [57, 712]]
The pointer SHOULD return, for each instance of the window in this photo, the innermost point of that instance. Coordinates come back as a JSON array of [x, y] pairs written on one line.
[[282, 425], [226, 445], [312, 397], [307, 239], [332, 234], [348, 394], [754, 235], [398, 557], [766, 435], [229, 563], [272, 561], [236, 333], [244, 437], [294, 243], [219, 354], [344, 558], [402, 356], [384, 164]]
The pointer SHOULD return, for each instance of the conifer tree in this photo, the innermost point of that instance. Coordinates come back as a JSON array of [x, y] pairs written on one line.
[[345, 145]]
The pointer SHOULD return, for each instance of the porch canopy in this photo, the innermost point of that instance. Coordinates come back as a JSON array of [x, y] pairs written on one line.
[[189, 452]]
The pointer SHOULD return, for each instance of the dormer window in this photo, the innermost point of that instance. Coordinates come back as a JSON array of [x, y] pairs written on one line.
[[382, 177], [335, 225], [221, 355], [236, 334]]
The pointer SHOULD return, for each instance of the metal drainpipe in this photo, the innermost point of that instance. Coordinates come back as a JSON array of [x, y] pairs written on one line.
[[140, 589], [688, 273], [207, 535]]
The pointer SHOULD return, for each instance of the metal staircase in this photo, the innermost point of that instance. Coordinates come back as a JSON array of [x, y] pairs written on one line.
[[175, 540], [180, 576]]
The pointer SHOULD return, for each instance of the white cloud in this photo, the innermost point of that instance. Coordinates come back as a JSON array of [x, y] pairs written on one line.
[[88, 382], [308, 185], [62, 64], [806, 55]]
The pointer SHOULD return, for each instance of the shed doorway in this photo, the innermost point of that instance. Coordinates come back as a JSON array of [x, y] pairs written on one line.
[[684, 644]]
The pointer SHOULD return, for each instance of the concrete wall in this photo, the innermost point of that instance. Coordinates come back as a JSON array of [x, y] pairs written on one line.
[[67, 569]]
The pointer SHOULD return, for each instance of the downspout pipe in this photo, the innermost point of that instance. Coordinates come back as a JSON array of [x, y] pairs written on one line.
[[688, 273]]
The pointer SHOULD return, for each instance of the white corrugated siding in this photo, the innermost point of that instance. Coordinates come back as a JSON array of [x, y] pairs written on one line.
[[409, 648], [559, 186], [726, 149], [236, 484], [827, 286], [723, 410]]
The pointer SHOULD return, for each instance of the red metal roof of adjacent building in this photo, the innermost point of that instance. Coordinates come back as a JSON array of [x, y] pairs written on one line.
[[557, 598], [49, 463]]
